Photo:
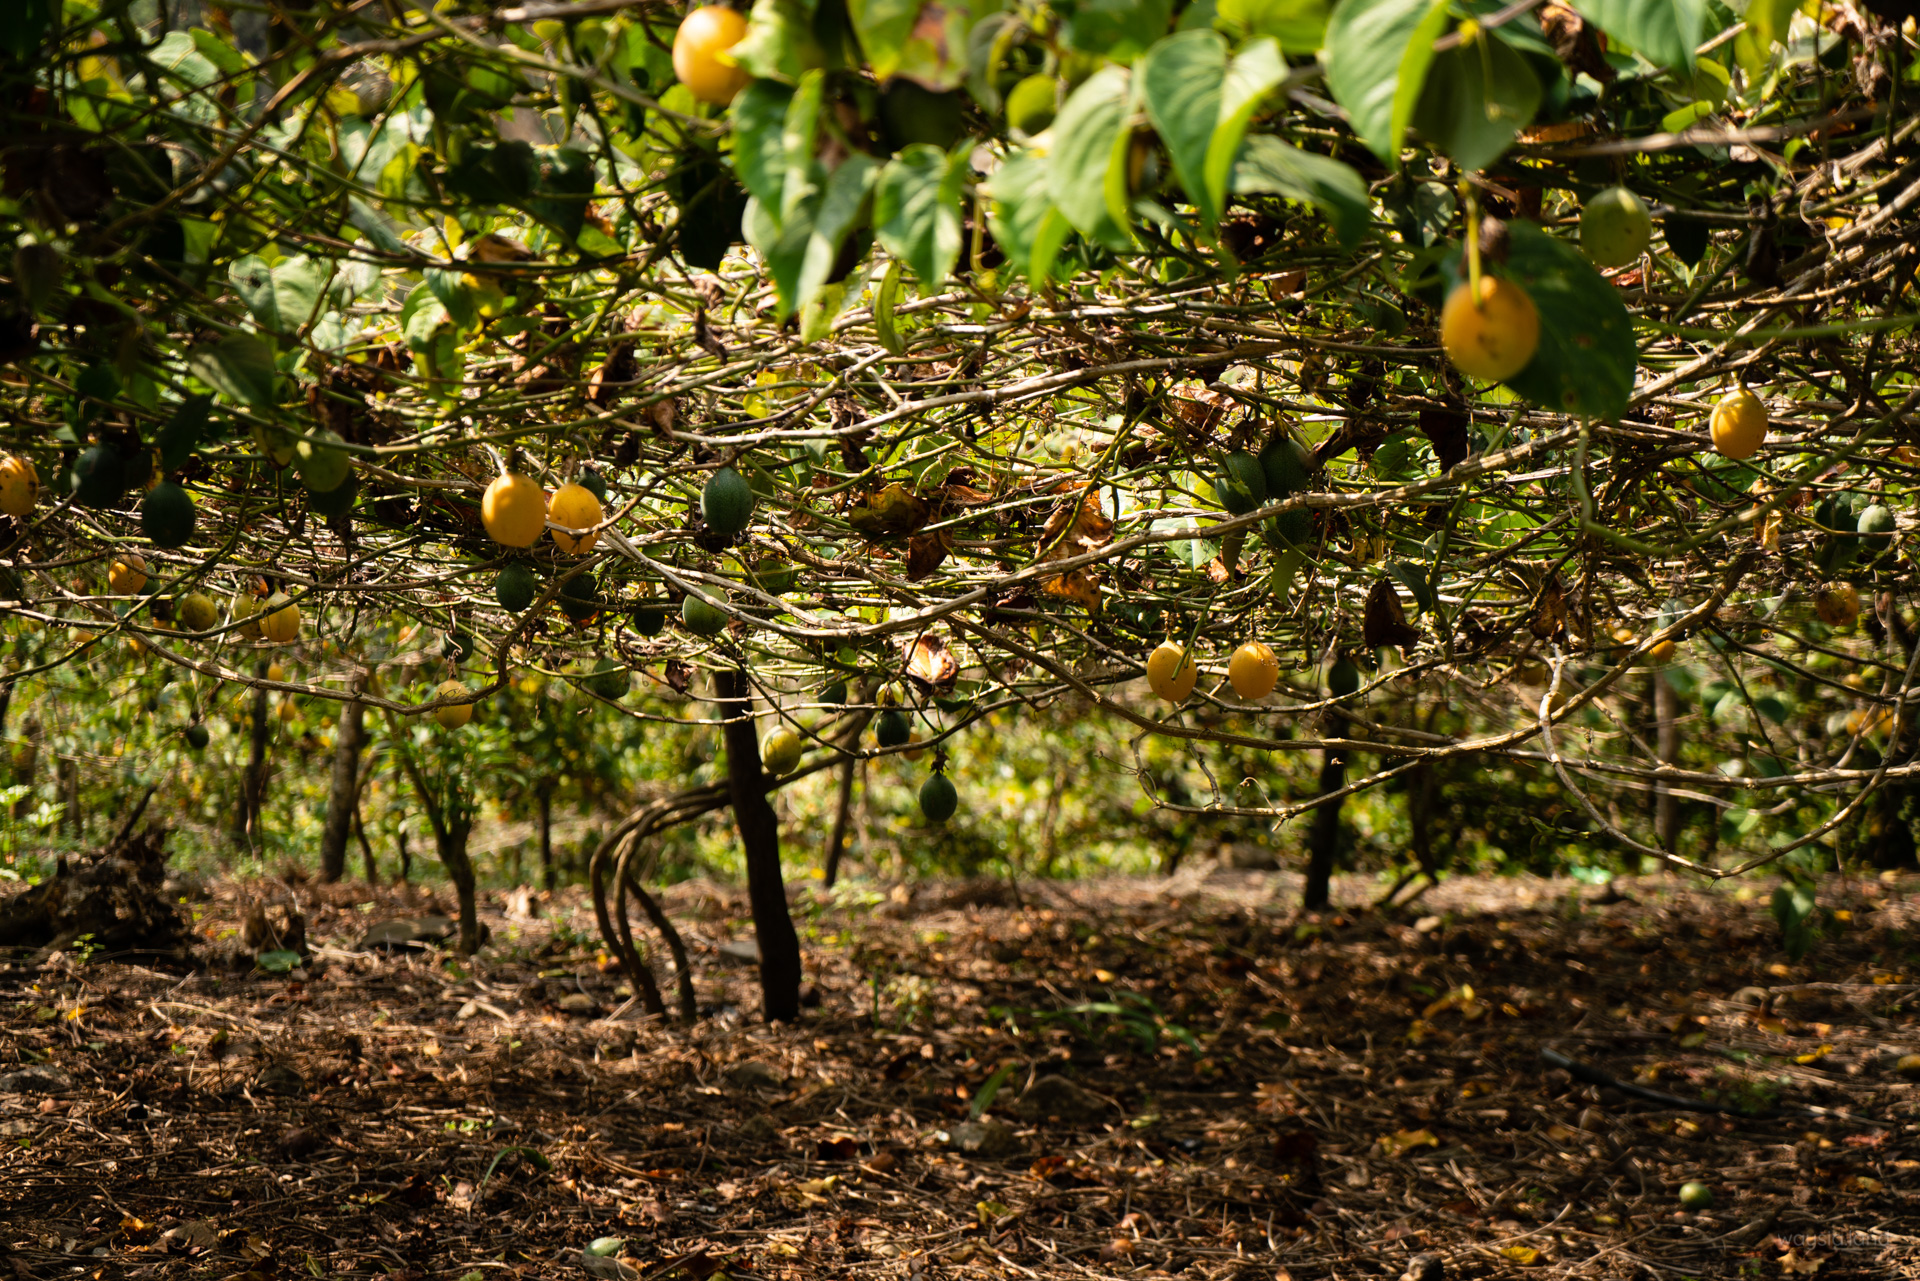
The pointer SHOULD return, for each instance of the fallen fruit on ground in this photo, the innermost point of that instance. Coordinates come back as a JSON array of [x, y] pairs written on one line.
[[1696, 1196], [1171, 672], [1738, 426], [699, 54], [1495, 339], [1253, 670]]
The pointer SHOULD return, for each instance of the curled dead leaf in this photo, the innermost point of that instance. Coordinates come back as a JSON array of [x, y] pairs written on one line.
[[931, 662]]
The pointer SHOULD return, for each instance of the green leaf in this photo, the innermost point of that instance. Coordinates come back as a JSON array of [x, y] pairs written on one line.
[[782, 246], [780, 43], [916, 211], [1416, 584], [283, 297], [1180, 80], [450, 287], [1089, 138], [1477, 98], [1118, 29], [1376, 56], [1269, 166], [563, 189], [1665, 32], [1767, 21], [884, 302], [1586, 359], [184, 431], [239, 366], [842, 207], [797, 134], [1254, 71], [1299, 25], [759, 158], [926, 41], [1022, 217]]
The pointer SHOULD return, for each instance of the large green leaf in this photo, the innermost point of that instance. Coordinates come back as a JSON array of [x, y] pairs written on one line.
[[924, 40], [797, 134], [780, 42], [1586, 359], [1180, 79], [283, 297], [1268, 166], [240, 366], [563, 190], [843, 206], [1089, 140], [1299, 25], [916, 211], [1118, 29], [782, 246], [759, 114], [1478, 97], [1376, 55], [1665, 32], [1254, 71], [1025, 224]]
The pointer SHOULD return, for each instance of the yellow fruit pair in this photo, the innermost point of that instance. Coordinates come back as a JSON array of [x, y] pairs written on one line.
[[515, 510], [1253, 671]]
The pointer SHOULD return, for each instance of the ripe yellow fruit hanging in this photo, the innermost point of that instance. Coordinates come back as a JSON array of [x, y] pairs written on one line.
[[1495, 339], [19, 485], [575, 507], [1171, 672], [275, 672], [196, 612], [699, 46], [514, 510], [280, 619], [1739, 425], [1254, 670], [454, 715], [128, 574]]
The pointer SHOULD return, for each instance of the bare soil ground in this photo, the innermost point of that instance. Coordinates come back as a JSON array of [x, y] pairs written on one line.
[[1192, 1080]]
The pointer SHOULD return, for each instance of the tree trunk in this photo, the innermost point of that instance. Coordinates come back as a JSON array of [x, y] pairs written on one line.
[[547, 876], [450, 841], [349, 737], [842, 811], [1323, 837], [1666, 712], [253, 783], [760, 841]]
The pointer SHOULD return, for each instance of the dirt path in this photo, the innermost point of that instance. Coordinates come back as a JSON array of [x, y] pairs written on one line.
[[1191, 1081]]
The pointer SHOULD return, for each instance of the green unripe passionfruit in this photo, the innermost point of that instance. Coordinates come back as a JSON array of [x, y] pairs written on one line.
[[1615, 228], [166, 515], [1287, 466], [938, 798], [835, 692], [1032, 104], [196, 736], [1242, 483], [701, 618], [515, 588], [649, 617], [913, 114], [891, 728], [1343, 678], [780, 751], [726, 504], [322, 461], [338, 501], [580, 598], [99, 477], [610, 680], [776, 575], [1876, 529], [594, 483]]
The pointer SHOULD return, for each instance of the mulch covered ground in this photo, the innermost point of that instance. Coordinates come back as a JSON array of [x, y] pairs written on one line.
[[1178, 1078]]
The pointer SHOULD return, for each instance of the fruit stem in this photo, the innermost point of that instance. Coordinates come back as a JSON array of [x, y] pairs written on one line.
[[1472, 204]]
